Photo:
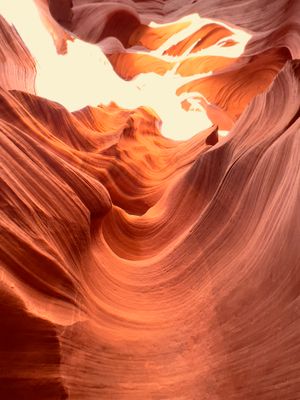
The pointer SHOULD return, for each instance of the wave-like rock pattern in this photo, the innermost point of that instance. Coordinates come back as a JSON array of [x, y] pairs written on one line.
[[17, 66], [138, 267]]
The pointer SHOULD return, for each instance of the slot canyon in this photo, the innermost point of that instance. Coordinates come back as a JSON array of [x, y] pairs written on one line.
[[150, 199]]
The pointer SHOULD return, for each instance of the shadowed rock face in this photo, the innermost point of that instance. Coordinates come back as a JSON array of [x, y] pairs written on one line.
[[134, 266]]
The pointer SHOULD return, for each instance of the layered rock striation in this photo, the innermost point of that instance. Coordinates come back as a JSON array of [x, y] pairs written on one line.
[[135, 266]]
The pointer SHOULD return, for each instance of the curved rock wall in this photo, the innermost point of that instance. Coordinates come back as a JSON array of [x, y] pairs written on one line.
[[134, 266]]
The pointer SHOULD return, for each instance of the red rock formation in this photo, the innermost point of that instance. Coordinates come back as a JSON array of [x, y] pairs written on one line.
[[59, 35], [17, 67], [134, 266]]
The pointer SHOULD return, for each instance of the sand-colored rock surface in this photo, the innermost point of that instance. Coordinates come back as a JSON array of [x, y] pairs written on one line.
[[134, 266]]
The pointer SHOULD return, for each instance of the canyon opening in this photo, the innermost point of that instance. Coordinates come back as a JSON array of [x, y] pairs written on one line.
[[150, 219]]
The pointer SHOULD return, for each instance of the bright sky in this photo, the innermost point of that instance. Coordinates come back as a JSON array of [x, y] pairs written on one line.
[[85, 77]]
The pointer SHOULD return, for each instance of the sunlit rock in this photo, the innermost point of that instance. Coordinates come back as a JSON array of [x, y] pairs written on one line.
[[149, 192]]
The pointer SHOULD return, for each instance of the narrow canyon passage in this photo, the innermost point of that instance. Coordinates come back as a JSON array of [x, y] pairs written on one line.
[[150, 219]]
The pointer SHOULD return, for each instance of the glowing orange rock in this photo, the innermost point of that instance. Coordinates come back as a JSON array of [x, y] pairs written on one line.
[[134, 266]]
